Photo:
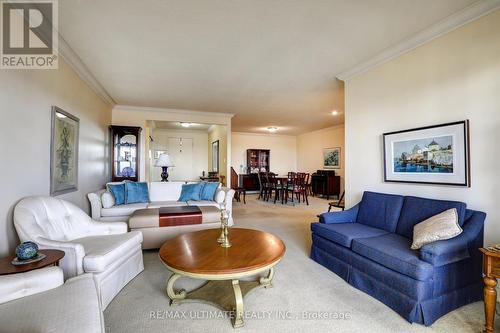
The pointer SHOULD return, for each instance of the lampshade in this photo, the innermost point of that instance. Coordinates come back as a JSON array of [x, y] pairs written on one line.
[[164, 161]]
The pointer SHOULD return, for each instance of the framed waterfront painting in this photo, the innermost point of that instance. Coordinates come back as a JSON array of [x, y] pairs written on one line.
[[63, 152], [331, 158], [430, 155]]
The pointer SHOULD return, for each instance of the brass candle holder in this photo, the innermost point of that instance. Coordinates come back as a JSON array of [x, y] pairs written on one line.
[[223, 238]]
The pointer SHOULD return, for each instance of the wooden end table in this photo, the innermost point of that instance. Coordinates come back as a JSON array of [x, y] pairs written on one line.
[[52, 259], [198, 255], [491, 270]]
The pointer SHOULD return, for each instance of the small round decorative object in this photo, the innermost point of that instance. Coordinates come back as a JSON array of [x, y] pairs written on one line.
[[26, 250]]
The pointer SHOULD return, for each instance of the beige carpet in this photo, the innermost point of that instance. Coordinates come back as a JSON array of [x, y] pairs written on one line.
[[302, 290]]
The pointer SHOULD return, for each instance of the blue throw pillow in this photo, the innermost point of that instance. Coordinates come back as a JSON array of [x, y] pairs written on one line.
[[208, 190], [191, 192], [136, 192], [118, 192]]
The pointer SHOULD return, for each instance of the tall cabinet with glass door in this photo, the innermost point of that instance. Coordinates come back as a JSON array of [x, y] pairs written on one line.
[[125, 152]]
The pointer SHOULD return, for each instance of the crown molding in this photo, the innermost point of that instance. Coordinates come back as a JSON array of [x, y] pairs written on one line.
[[452, 22], [264, 134], [74, 61], [173, 111]]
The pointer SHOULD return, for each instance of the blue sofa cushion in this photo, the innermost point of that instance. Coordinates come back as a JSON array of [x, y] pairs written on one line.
[[345, 216], [380, 210], [393, 251], [416, 210], [136, 192], [344, 233], [208, 190], [191, 192], [449, 251], [118, 191]]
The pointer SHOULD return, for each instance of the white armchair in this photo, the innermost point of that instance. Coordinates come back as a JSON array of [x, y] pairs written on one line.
[[106, 250], [40, 301]]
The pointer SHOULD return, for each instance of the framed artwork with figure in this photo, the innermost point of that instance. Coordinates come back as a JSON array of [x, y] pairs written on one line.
[[63, 152]]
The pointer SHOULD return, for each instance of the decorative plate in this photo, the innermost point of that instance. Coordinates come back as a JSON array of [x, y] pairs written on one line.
[[17, 262]]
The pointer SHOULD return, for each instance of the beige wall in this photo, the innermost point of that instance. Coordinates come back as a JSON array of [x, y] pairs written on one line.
[[310, 149], [218, 132], [26, 97], [199, 148], [283, 150], [454, 77]]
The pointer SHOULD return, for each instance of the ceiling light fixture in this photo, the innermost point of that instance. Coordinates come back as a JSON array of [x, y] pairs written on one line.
[[272, 129], [335, 112], [186, 125]]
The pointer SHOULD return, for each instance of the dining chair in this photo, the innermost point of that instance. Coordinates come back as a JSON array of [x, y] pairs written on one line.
[[290, 186], [301, 189], [297, 188], [337, 204], [309, 185], [270, 185], [280, 188], [260, 176]]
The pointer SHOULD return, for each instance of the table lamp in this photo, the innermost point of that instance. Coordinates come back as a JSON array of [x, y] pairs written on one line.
[[164, 162]]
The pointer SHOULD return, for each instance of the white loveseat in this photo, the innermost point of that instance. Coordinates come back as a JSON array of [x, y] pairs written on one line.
[[40, 301], [107, 250], [161, 194]]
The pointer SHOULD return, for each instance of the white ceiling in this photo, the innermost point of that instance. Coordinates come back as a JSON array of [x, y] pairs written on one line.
[[175, 125], [270, 62]]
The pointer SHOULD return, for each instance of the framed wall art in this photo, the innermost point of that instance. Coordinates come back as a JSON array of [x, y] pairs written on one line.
[[436, 154], [331, 158], [63, 152], [215, 156]]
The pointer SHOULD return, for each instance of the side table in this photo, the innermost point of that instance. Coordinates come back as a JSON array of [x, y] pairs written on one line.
[[52, 259], [491, 270]]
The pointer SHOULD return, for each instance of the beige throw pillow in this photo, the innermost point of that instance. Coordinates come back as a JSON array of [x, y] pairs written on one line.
[[438, 227]]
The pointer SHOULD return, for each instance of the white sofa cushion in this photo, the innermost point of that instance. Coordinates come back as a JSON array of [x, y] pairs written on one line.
[[123, 210], [165, 191], [158, 204], [20, 285], [210, 214], [72, 307], [108, 200], [102, 251], [220, 196]]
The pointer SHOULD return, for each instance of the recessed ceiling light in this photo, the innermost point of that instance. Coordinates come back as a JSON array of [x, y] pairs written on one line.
[[272, 129], [185, 125], [335, 112]]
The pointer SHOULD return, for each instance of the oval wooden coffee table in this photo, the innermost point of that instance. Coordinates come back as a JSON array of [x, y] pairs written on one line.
[[198, 255]]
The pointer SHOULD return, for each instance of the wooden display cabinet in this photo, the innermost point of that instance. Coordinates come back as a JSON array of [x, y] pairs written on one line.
[[125, 153], [258, 160]]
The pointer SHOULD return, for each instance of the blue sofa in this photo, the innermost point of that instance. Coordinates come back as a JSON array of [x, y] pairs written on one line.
[[369, 247]]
